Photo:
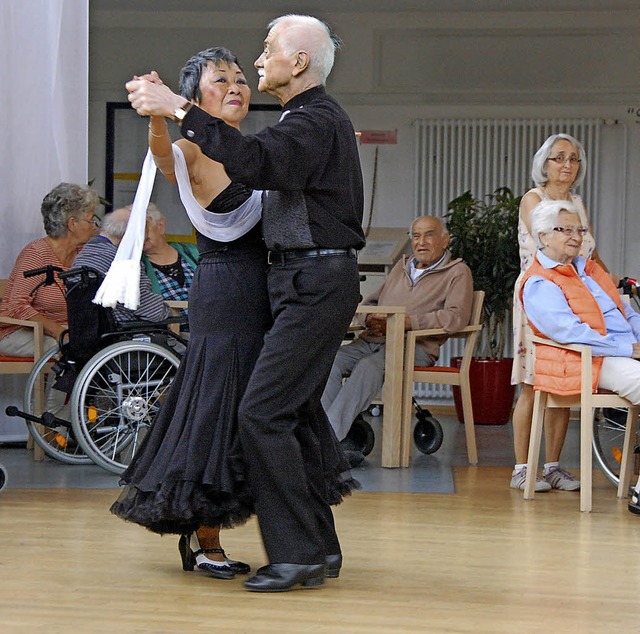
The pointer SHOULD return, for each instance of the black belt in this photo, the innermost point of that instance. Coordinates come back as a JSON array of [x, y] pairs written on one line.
[[280, 257]]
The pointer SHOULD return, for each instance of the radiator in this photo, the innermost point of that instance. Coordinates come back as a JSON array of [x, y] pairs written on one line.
[[480, 155]]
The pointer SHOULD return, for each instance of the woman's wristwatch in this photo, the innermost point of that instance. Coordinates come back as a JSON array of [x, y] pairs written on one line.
[[180, 113]]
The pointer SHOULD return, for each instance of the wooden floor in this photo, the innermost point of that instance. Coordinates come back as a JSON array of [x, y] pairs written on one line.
[[480, 560]]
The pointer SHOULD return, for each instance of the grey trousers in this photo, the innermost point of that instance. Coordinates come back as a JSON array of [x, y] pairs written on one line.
[[357, 377], [20, 343]]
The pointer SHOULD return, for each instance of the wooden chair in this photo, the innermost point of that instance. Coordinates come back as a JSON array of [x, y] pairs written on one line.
[[586, 401], [23, 365], [392, 389], [443, 376]]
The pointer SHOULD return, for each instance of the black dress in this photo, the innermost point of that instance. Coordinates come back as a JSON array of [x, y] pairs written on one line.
[[189, 472]]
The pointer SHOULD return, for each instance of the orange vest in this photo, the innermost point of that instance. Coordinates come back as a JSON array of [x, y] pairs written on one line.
[[558, 371]]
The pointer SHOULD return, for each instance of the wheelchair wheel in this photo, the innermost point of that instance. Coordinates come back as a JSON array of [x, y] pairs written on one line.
[[116, 397], [608, 435], [361, 433], [427, 434], [39, 396], [3, 477]]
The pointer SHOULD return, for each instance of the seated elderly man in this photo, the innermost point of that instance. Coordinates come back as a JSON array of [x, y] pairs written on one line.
[[437, 292], [99, 252], [572, 300]]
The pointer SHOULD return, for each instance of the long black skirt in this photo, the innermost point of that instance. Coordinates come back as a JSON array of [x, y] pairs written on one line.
[[189, 471]]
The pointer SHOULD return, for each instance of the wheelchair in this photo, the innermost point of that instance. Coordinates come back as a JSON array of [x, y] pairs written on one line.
[[609, 423], [427, 432], [94, 396]]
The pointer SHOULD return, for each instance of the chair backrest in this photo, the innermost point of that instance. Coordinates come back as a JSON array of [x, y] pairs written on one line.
[[472, 337]]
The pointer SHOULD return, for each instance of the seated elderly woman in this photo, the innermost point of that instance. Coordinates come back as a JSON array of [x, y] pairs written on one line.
[[169, 265], [69, 216], [572, 300]]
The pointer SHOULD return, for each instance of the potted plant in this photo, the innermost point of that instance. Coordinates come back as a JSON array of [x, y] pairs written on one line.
[[484, 233]]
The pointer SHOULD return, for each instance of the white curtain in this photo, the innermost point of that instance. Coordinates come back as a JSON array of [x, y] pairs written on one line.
[[44, 105], [43, 137]]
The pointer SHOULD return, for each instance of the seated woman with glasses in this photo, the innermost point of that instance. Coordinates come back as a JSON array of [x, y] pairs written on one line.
[[570, 299], [170, 266], [558, 167], [69, 216]]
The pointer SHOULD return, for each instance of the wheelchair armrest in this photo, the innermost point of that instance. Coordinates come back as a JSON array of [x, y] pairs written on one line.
[[142, 326]]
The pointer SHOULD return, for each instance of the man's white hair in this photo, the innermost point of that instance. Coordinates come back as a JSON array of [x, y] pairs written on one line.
[[312, 35]]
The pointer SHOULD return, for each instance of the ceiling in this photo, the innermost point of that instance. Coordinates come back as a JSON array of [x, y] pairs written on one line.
[[355, 6]]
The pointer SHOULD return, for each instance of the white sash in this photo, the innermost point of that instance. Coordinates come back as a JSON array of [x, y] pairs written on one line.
[[122, 282], [221, 227]]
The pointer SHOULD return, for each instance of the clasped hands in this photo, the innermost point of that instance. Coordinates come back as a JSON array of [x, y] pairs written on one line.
[[148, 95], [376, 324]]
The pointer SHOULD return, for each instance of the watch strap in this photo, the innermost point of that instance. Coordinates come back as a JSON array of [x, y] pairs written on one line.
[[180, 113]]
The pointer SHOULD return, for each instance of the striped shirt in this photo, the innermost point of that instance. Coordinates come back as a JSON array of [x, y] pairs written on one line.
[[20, 301], [98, 254]]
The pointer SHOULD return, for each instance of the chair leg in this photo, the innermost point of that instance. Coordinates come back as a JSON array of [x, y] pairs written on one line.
[[586, 469], [407, 417], [469, 422], [539, 405], [627, 453]]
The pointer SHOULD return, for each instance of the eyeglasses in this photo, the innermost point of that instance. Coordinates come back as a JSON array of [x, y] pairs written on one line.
[[569, 231], [94, 220], [561, 159]]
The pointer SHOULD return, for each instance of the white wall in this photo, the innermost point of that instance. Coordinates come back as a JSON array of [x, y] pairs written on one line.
[[397, 67]]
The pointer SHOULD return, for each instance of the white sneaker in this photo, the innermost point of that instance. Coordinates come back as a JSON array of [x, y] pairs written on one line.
[[519, 477], [560, 479]]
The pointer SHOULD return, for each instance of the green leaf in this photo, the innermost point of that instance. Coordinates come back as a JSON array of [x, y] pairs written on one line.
[[484, 233]]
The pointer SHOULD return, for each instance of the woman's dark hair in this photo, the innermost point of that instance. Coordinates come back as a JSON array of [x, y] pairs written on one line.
[[64, 201], [192, 71]]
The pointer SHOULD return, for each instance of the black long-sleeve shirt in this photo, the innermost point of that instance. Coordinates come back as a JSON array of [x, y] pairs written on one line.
[[308, 164]]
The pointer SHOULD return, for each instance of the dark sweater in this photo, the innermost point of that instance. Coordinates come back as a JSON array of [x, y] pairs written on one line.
[[308, 162]]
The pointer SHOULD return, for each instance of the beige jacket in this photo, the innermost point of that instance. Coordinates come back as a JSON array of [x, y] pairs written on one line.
[[440, 298]]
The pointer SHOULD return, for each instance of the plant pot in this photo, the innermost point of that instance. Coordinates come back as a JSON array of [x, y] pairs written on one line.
[[491, 391]]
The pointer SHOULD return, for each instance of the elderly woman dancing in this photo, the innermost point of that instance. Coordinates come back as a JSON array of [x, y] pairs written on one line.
[[570, 299]]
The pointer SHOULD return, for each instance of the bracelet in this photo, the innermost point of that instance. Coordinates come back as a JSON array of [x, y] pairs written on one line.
[[157, 136]]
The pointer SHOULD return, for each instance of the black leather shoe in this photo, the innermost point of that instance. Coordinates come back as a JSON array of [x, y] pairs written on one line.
[[332, 569], [239, 567], [282, 577], [218, 570]]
